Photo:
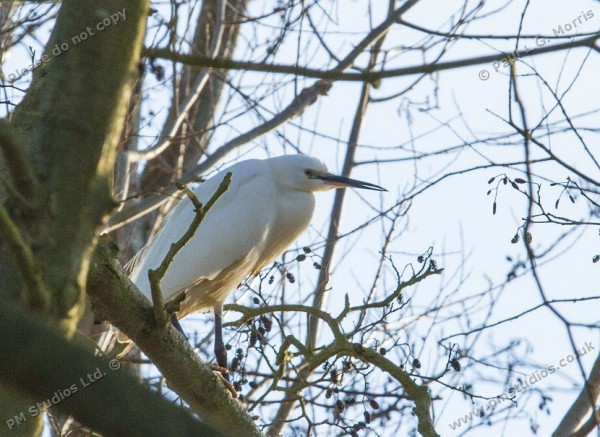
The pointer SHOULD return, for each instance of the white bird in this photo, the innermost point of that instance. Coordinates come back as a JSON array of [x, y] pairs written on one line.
[[268, 204]]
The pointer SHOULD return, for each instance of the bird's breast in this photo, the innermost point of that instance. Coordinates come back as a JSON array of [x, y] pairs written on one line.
[[291, 217]]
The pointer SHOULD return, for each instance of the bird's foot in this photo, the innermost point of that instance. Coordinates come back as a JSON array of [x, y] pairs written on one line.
[[224, 377]]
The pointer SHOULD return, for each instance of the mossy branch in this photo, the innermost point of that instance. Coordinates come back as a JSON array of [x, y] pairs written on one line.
[[156, 275], [419, 394], [342, 346], [38, 295], [388, 300], [116, 298], [250, 313], [23, 176], [37, 359]]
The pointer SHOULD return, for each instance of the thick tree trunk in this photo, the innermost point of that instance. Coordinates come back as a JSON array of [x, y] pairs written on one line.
[[67, 129]]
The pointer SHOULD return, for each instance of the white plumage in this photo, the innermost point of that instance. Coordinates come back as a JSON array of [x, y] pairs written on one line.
[[268, 204]]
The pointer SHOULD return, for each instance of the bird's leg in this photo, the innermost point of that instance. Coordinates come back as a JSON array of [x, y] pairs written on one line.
[[176, 324], [220, 351]]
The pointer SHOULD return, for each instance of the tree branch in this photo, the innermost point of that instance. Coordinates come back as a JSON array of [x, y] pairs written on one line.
[[156, 275], [23, 176], [584, 405], [332, 233], [72, 118], [305, 98], [34, 361], [337, 74], [115, 298], [38, 296]]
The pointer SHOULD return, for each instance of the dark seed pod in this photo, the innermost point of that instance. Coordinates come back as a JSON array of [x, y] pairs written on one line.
[[306, 249], [266, 322], [491, 180], [420, 259], [334, 376], [596, 258], [301, 257], [416, 363], [317, 266], [515, 239], [349, 401], [253, 384], [328, 393], [494, 208], [290, 278], [158, 71], [382, 350], [256, 301], [347, 366], [253, 338], [520, 181], [455, 364], [367, 417], [271, 279], [374, 404], [339, 405]]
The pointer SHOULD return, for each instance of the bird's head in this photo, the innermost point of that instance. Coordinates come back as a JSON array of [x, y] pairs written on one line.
[[305, 173]]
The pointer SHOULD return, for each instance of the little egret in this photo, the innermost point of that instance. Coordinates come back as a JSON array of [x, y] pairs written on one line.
[[268, 204]]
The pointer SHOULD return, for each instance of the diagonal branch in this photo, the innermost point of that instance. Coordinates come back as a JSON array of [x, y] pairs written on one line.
[[307, 97], [37, 359], [156, 275], [584, 405], [174, 123], [38, 296], [115, 298], [23, 176]]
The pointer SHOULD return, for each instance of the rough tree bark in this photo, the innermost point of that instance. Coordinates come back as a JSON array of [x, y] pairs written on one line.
[[64, 134]]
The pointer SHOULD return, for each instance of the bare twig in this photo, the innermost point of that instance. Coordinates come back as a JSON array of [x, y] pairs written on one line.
[[155, 275]]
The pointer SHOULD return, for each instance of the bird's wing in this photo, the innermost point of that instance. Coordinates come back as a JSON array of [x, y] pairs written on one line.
[[231, 231]]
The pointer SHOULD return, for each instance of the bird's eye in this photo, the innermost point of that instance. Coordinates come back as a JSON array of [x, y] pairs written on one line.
[[309, 173]]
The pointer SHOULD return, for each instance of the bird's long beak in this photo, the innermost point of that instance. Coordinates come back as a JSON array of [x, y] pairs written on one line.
[[343, 182]]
